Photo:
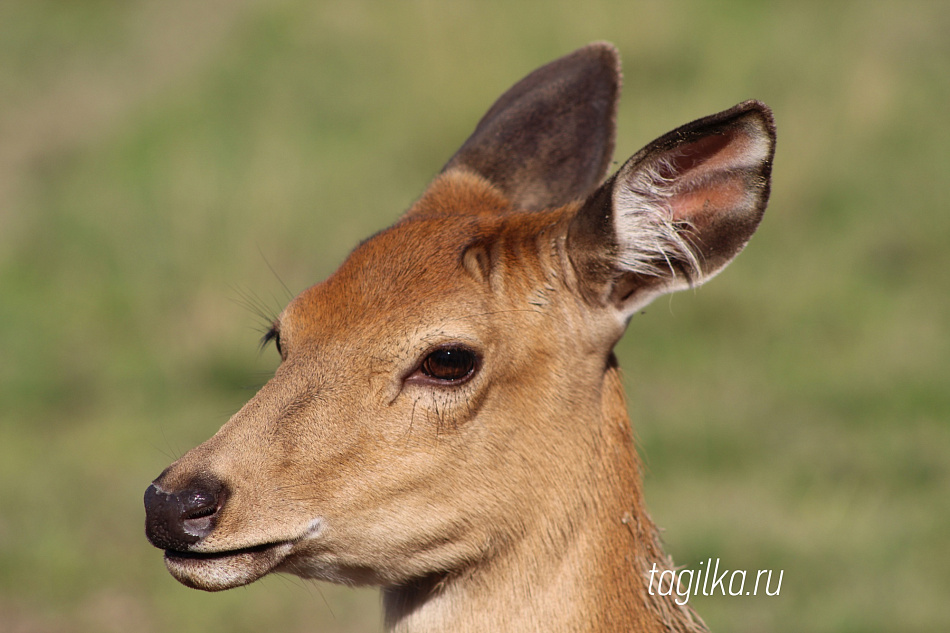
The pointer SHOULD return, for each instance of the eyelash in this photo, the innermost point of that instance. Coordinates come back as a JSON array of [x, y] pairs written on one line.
[[273, 334]]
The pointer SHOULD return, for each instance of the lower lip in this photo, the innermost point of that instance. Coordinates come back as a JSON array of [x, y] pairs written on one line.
[[214, 571]]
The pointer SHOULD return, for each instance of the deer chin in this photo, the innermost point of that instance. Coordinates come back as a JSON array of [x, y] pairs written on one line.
[[216, 571]]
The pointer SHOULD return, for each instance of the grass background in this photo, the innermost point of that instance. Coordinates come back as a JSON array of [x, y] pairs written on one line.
[[158, 159]]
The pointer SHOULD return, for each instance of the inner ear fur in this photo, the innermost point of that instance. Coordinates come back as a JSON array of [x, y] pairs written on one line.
[[678, 211], [549, 139]]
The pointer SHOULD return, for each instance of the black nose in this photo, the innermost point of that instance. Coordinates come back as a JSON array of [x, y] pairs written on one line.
[[175, 520]]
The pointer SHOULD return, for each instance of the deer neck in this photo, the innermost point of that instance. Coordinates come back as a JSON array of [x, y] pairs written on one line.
[[582, 569]]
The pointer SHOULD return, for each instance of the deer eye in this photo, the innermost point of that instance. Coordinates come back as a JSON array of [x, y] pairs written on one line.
[[273, 334], [453, 364]]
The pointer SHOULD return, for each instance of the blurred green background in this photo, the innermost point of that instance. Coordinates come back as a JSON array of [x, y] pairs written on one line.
[[167, 167]]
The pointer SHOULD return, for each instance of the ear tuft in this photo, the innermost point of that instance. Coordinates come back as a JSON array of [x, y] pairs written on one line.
[[649, 237]]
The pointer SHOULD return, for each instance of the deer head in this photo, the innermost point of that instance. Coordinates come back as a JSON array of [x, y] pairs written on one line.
[[447, 420]]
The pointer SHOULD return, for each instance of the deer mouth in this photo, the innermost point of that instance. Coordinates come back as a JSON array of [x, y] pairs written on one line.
[[216, 571]]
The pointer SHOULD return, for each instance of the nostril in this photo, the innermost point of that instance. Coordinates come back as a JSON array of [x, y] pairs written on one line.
[[201, 513], [199, 508], [197, 504]]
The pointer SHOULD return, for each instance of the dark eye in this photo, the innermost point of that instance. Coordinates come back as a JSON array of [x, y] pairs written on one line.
[[272, 334], [450, 364]]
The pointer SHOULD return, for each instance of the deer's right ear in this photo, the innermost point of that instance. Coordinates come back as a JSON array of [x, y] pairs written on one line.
[[549, 139], [678, 211]]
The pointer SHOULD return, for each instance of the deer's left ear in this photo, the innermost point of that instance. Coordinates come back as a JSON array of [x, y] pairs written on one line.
[[678, 211], [549, 139]]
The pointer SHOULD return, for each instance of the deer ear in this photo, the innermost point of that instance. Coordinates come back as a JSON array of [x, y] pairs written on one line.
[[549, 139], [678, 211]]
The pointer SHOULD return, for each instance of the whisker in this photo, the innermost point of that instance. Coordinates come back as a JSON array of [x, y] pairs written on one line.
[[290, 295]]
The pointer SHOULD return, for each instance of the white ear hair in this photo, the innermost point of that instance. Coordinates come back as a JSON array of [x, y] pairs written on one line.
[[644, 224]]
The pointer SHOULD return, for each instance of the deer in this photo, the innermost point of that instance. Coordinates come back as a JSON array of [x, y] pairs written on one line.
[[448, 420]]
